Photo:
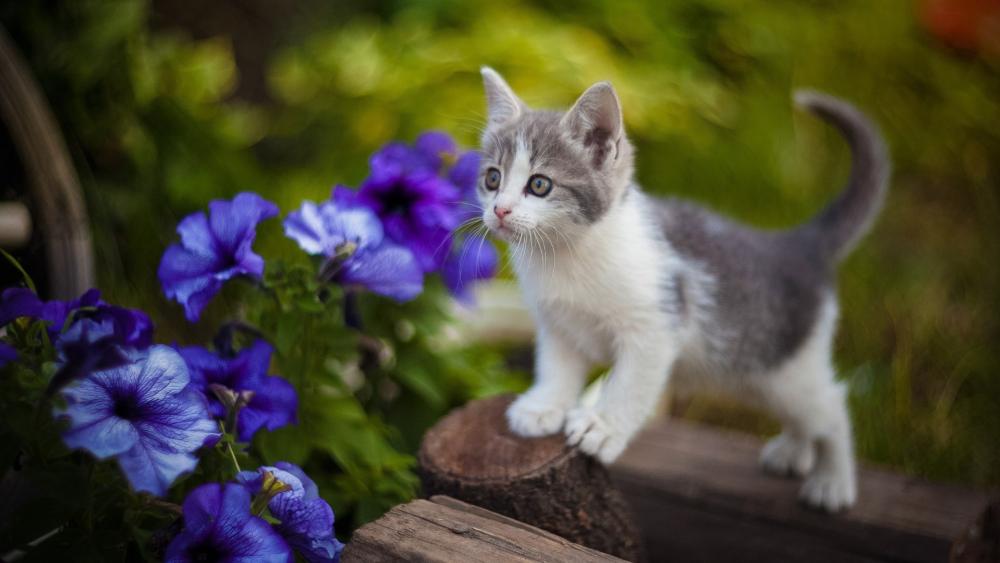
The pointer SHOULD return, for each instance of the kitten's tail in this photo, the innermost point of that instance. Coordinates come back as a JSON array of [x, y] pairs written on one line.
[[840, 226]]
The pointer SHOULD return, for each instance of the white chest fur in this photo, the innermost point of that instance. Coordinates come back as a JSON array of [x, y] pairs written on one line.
[[608, 282]]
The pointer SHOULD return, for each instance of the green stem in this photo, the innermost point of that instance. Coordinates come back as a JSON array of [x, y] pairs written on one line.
[[229, 447]]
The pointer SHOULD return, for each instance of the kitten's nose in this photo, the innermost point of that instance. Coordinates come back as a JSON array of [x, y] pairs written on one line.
[[501, 212]]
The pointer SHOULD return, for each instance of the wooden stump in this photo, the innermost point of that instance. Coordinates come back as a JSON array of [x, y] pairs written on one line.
[[472, 455]]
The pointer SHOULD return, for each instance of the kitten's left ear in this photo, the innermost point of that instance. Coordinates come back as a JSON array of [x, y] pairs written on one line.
[[596, 119]]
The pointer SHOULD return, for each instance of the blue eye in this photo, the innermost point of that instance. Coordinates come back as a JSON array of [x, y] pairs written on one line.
[[539, 185], [492, 179]]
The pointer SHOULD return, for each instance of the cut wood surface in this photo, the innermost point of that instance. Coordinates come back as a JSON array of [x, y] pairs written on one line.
[[447, 530], [471, 455], [699, 496]]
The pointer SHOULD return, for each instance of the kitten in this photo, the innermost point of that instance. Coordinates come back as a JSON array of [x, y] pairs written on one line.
[[661, 287]]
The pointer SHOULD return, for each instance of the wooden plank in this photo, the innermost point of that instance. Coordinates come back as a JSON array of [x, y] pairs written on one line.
[[699, 496], [448, 530]]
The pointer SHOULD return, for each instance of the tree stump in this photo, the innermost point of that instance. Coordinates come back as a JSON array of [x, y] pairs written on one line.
[[473, 456]]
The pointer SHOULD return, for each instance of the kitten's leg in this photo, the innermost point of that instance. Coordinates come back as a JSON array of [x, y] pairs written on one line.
[[817, 432], [560, 373], [832, 485], [629, 396]]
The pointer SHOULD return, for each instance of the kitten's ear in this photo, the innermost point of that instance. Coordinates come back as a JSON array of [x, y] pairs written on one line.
[[596, 119], [503, 105]]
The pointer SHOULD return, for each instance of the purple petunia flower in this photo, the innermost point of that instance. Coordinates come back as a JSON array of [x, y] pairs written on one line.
[[305, 519], [351, 237], [132, 327], [414, 202], [144, 414], [213, 249], [218, 526], [272, 400]]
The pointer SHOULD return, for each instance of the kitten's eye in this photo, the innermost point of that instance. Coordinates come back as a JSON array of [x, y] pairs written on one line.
[[539, 185], [492, 179]]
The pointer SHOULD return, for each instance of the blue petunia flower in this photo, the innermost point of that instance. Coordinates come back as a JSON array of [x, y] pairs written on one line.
[[144, 414], [132, 326], [415, 203], [272, 400], [218, 526], [305, 520], [350, 236], [213, 249]]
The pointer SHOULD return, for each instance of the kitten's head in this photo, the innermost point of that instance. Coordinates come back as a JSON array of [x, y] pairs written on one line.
[[551, 172]]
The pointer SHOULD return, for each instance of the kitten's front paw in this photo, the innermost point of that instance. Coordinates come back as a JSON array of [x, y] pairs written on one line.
[[785, 455], [828, 491], [591, 433], [532, 417]]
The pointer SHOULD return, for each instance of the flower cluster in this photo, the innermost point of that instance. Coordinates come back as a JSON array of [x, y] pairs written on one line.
[[156, 409]]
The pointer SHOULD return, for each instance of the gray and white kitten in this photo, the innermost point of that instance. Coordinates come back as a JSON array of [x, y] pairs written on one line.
[[662, 288]]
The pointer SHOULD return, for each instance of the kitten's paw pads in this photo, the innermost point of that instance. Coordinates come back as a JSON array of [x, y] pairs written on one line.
[[586, 430], [828, 492], [785, 455], [531, 417]]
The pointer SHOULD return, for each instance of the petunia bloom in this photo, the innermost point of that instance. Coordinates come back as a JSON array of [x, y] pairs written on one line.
[[144, 414], [350, 236], [214, 248], [218, 526], [272, 400], [305, 519], [132, 327], [415, 203]]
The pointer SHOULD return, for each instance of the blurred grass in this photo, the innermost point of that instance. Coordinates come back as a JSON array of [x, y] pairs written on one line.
[[158, 126]]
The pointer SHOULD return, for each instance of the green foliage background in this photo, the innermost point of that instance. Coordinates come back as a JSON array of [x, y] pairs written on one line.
[[159, 123]]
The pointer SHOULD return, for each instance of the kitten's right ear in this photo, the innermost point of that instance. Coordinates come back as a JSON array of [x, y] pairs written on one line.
[[503, 105]]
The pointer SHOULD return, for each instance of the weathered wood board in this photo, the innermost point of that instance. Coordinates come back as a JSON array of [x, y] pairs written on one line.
[[443, 530], [699, 496]]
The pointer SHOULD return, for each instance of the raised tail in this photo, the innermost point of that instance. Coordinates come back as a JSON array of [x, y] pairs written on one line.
[[840, 226]]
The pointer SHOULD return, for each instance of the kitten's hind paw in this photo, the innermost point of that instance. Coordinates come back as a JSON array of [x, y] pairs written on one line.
[[785, 455], [531, 417], [592, 434], [828, 492]]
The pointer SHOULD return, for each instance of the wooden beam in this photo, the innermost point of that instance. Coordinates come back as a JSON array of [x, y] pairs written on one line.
[[699, 496], [445, 530]]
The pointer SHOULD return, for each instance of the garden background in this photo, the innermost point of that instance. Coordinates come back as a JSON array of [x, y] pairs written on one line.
[[168, 104]]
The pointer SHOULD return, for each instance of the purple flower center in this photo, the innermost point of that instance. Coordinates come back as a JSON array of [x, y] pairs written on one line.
[[398, 200], [126, 408], [206, 551]]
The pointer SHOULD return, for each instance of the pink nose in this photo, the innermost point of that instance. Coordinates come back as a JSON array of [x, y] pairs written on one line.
[[501, 212]]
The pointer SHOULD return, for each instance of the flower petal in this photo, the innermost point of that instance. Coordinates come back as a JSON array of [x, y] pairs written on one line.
[[233, 222], [475, 259], [306, 227], [274, 405], [217, 521], [164, 373], [389, 270], [17, 302], [431, 145]]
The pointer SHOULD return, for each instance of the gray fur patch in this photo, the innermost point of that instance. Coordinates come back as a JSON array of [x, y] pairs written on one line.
[[769, 285]]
